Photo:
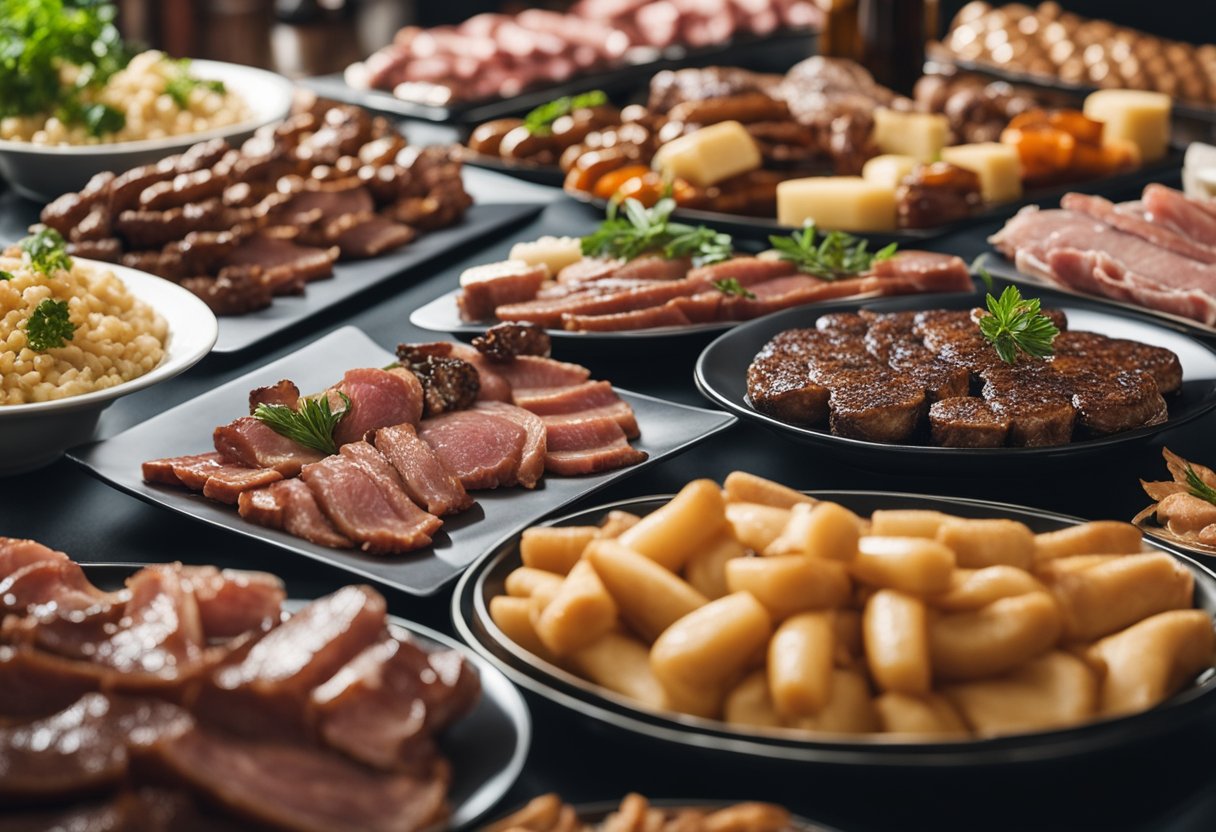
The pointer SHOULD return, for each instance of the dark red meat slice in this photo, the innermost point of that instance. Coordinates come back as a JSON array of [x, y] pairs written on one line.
[[378, 398], [291, 506], [34, 683], [250, 442], [264, 688], [285, 265], [425, 479], [480, 449], [362, 509]]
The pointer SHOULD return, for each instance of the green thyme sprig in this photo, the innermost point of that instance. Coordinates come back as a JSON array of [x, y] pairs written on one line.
[[1198, 487], [630, 230], [311, 425], [836, 256]]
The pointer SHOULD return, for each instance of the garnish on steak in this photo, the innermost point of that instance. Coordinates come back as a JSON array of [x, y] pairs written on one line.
[[1019, 378]]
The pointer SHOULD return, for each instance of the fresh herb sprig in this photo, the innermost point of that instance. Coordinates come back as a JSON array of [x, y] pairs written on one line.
[[311, 425], [182, 84], [650, 231], [732, 286], [1198, 488], [1017, 326], [836, 256], [49, 326], [539, 122], [5, 275], [46, 251]]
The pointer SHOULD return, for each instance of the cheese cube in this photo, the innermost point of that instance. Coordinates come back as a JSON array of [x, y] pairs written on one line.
[[888, 170], [919, 135], [836, 203], [997, 165], [553, 252], [709, 155], [1136, 115]]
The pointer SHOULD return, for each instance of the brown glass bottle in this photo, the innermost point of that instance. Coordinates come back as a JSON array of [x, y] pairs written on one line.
[[839, 38], [892, 35]]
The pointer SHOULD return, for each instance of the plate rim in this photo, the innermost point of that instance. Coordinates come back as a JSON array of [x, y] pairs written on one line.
[[508, 697], [604, 707], [844, 444]]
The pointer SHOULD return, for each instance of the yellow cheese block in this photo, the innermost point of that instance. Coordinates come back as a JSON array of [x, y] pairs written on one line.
[[996, 164], [837, 203], [709, 155], [554, 252], [919, 135], [888, 170], [1141, 117]]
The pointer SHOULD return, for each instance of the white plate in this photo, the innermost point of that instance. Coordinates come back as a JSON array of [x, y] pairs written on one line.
[[43, 172], [33, 435]]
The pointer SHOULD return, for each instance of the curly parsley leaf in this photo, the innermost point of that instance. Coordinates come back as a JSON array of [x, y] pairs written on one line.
[[5, 275], [650, 231], [836, 256], [49, 326], [311, 425], [46, 251], [1017, 326], [539, 122]]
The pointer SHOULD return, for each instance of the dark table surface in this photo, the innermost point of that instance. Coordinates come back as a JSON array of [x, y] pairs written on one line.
[[1167, 784]]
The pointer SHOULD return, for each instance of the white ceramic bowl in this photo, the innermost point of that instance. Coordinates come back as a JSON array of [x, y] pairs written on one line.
[[43, 172], [33, 435]]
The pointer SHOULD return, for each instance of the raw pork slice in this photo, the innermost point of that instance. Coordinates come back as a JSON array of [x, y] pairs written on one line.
[[1133, 220], [250, 442], [210, 474], [1192, 218], [532, 463], [425, 479], [480, 449], [589, 398], [587, 446], [289, 505], [532, 372], [378, 398]]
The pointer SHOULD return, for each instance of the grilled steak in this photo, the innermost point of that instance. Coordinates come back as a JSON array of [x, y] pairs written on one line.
[[967, 422]]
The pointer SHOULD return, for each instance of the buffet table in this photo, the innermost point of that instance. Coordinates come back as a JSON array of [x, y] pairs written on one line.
[[1164, 785]]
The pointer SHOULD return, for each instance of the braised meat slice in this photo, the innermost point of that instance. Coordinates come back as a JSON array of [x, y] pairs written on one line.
[[34, 683], [291, 506], [426, 481], [967, 422], [364, 509], [235, 601]]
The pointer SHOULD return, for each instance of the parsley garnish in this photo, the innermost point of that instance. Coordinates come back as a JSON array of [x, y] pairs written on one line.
[[49, 326], [5, 275], [1016, 325], [838, 255], [649, 231], [1198, 487], [312, 425], [539, 122], [181, 85], [102, 119], [732, 286], [46, 251]]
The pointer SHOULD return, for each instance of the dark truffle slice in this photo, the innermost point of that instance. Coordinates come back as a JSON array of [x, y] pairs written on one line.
[[876, 405], [967, 422]]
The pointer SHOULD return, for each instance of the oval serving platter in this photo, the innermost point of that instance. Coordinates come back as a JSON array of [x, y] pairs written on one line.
[[486, 579], [721, 376], [487, 748]]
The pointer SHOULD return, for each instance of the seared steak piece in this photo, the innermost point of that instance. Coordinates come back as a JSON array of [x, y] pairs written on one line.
[[1036, 399], [1115, 403], [1105, 355], [843, 323], [940, 380], [967, 422], [877, 405], [970, 352], [781, 386]]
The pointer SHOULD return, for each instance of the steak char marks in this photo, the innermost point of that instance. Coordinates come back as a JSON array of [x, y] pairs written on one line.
[[907, 377]]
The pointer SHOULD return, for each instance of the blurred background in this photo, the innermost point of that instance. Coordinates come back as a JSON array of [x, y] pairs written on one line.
[[310, 37]]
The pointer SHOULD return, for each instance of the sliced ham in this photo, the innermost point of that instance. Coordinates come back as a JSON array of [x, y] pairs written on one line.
[[228, 483], [378, 398], [381, 471], [1192, 218], [1133, 220], [619, 412], [485, 288], [669, 314], [17, 552], [235, 601], [386, 704], [532, 372], [291, 506], [480, 449], [532, 462], [570, 399], [264, 688], [254, 444], [425, 479], [587, 446], [210, 474], [359, 509]]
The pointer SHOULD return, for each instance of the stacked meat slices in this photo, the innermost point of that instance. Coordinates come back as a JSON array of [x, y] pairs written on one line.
[[1158, 252], [597, 295], [396, 473], [240, 226], [877, 377], [190, 682]]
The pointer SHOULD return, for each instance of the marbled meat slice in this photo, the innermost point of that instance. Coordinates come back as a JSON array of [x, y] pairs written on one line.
[[532, 462], [485, 288], [385, 706], [620, 412], [290, 505], [291, 787], [382, 472], [235, 601], [378, 398], [876, 405], [480, 449], [587, 446], [84, 747], [263, 688], [576, 397], [250, 442], [426, 481], [967, 422], [532, 372], [359, 509]]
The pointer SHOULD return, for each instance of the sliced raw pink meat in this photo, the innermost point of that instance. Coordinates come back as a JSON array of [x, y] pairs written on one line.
[[425, 479], [378, 398], [1135, 222], [254, 444], [532, 462], [587, 446], [1192, 218], [291, 506], [480, 449], [532, 372], [494, 388]]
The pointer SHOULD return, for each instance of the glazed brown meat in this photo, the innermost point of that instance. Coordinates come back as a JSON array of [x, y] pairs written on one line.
[[967, 422]]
